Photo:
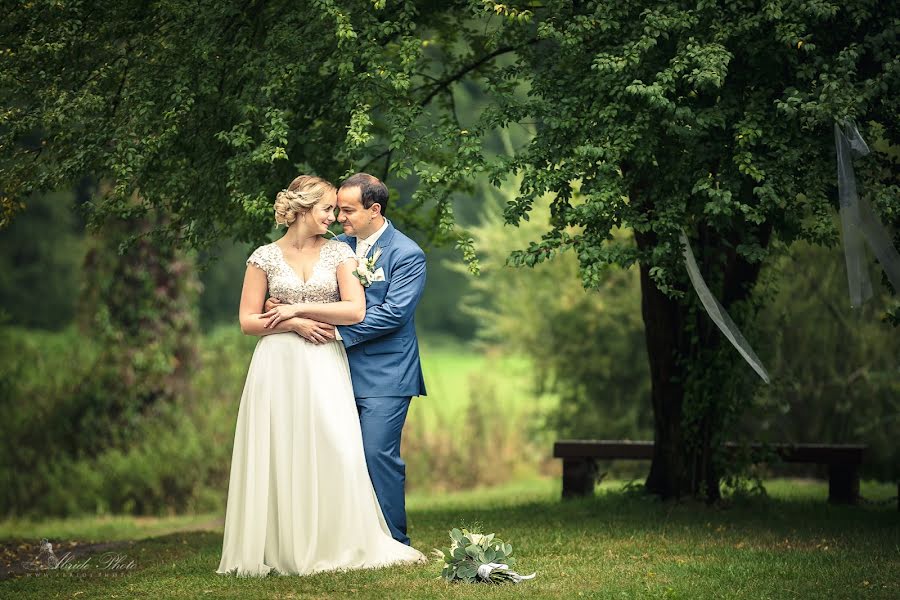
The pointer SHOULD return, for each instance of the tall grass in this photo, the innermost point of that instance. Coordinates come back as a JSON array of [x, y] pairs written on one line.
[[479, 425]]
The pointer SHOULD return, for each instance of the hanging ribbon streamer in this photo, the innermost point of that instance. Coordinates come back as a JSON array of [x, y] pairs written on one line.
[[859, 222], [717, 312]]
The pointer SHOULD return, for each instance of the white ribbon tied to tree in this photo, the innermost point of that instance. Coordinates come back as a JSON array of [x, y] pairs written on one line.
[[484, 572], [718, 314], [859, 222]]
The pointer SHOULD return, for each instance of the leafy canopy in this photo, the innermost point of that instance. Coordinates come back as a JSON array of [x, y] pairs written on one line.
[[657, 115], [715, 117]]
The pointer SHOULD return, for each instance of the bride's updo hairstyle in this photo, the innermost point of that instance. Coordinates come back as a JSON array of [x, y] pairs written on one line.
[[303, 193]]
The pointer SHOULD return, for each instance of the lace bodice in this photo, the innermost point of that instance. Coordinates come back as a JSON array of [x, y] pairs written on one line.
[[286, 285]]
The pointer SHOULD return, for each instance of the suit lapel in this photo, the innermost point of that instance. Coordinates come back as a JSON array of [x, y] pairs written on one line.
[[383, 241]]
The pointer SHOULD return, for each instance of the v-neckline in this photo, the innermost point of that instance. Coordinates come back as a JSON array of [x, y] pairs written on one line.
[[296, 276]]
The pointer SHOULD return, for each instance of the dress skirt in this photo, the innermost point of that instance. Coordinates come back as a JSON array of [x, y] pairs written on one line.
[[300, 499]]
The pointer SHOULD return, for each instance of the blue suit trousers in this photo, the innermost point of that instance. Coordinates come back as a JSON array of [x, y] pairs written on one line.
[[381, 420]]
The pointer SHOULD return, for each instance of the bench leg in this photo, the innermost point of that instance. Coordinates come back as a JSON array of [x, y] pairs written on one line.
[[579, 477], [843, 484]]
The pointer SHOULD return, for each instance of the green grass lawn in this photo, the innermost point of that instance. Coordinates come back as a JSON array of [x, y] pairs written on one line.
[[618, 544], [456, 374]]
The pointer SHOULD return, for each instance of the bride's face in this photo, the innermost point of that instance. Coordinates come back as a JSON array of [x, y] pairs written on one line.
[[321, 215]]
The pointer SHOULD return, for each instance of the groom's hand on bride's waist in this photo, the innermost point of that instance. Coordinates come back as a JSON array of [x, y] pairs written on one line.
[[313, 331], [272, 303], [309, 329]]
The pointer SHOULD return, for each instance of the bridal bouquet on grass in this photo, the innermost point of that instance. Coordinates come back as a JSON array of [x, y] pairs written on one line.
[[473, 557]]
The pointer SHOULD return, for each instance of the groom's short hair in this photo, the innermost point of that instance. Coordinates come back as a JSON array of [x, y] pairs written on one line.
[[371, 190]]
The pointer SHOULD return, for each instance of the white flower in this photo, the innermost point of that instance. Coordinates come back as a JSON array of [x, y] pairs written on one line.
[[366, 272], [475, 567]]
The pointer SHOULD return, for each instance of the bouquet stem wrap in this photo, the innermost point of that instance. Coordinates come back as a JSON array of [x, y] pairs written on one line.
[[484, 572]]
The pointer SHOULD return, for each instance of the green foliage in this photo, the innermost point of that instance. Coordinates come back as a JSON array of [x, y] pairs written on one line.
[[469, 550], [438, 311], [205, 110], [587, 346], [171, 468], [221, 271], [140, 308], [52, 427], [836, 373], [40, 261], [487, 404], [714, 118], [175, 457], [38, 409]]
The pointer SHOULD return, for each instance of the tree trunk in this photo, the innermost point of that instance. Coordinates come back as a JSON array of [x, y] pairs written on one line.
[[663, 327], [681, 466], [140, 307]]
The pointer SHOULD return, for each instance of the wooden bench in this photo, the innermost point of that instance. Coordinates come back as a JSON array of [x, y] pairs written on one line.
[[580, 468]]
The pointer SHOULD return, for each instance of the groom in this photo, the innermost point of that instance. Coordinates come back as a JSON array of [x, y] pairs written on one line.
[[382, 350]]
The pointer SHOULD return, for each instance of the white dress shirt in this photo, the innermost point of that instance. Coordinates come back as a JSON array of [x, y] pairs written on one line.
[[363, 246]]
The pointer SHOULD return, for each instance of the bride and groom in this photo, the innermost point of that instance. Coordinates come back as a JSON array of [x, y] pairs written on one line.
[[316, 476]]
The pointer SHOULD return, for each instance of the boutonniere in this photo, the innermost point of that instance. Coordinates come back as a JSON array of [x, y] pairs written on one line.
[[366, 271]]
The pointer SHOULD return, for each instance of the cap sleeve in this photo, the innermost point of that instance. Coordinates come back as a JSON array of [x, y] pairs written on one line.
[[341, 252], [262, 258]]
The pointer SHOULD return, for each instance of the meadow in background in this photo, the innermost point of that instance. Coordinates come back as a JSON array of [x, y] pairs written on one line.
[[513, 359]]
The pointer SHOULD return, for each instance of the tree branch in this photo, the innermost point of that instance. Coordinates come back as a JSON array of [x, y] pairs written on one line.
[[447, 81], [387, 166], [374, 159]]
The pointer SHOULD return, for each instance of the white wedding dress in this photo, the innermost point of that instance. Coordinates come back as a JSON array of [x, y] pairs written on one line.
[[299, 498]]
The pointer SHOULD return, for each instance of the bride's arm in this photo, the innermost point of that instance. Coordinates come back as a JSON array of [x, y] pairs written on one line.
[[351, 308], [253, 296]]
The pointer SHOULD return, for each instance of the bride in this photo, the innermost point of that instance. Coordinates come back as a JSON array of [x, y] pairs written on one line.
[[299, 498]]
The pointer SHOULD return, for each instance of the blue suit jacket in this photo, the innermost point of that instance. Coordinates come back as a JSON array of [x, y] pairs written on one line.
[[383, 350]]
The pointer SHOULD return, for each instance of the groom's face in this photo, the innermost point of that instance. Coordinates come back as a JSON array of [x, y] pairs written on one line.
[[356, 219]]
